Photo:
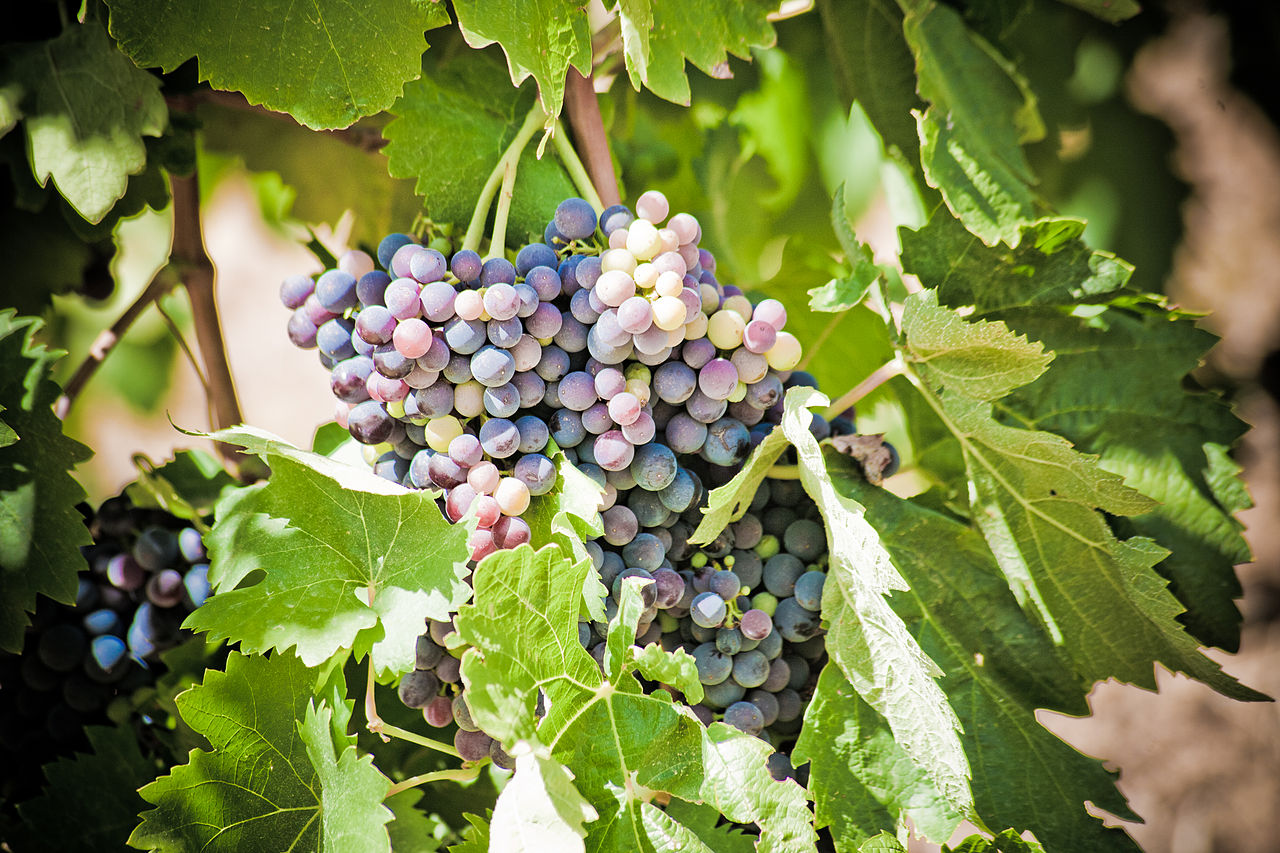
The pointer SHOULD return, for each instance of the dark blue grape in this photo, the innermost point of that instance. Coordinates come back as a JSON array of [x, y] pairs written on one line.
[[794, 622], [575, 219], [466, 265], [808, 590], [714, 666], [336, 291], [497, 271], [391, 244], [745, 716], [371, 288]]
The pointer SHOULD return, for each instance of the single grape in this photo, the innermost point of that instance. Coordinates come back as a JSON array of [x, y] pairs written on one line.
[[714, 666], [781, 573], [708, 610], [795, 623], [418, 687]]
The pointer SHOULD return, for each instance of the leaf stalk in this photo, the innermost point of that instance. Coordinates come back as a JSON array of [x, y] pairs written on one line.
[[475, 229], [894, 367]]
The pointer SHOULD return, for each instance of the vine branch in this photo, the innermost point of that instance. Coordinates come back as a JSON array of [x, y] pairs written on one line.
[[475, 228], [106, 341], [878, 377], [588, 132], [464, 774]]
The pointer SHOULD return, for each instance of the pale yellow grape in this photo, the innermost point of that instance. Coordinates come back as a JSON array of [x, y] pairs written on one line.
[[512, 496], [668, 313], [710, 296], [785, 352], [725, 330], [615, 287], [670, 242], [643, 240], [675, 336], [738, 393], [640, 388], [618, 239], [371, 452], [740, 305], [483, 477], [669, 284], [696, 328], [618, 259], [395, 409], [469, 304], [646, 275], [685, 226], [468, 399], [442, 430], [653, 206]]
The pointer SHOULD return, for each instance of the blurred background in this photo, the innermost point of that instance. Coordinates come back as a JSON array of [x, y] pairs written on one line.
[[1163, 135]]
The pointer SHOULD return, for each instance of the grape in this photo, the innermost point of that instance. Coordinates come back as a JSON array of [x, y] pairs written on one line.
[[596, 420], [746, 717], [717, 378], [501, 301], [510, 531], [680, 493], [645, 551], [707, 610], [464, 336], [472, 745], [727, 442], [729, 641], [751, 668], [295, 289], [620, 525], [535, 255], [572, 336], [725, 584], [301, 330], [808, 590], [670, 587], [575, 219], [714, 666], [755, 624], [449, 670], [780, 574], [512, 496], [704, 409], [438, 712], [566, 428], [795, 623], [498, 271], [612, 450], [492, 366], [437, 300], [724, 694], [336, 291], [654, 467], [333, 338], [684, 434], [418, 687], [466, 265], [427, 265]]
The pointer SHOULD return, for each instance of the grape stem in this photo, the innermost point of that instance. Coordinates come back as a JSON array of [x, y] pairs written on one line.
[[184, 346], [577, 171], [463, 774], [894, 367], [107, 340], [475, 229], [588, 132], [784, 472], [498, 243], [385, 730]]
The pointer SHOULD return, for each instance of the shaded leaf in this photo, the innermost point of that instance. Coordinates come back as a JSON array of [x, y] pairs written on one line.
[[326, 64], [539, 809], [41, 531], [843, 293], [1112, 11], [86, 108]]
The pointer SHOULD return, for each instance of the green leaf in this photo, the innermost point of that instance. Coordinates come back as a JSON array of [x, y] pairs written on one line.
[[874, 66], [676, 668], [282, 773], [844, 293], [981, 360], [869, 643], [41, 531], [541, 38], [1000, 667], [1112, 11], [660, 35], [1117, 390], [728, 503], [621, 745], [349, 560], [86, 108], [352, 816], [862, 781], [326, 64], [774, 123], [704, 823], [411, 830], [539, 809], [1050, 265], [451, 128], [981, 111], [103, 786], [187, 486], [1008, 841], [1037, 502], [475, 836]]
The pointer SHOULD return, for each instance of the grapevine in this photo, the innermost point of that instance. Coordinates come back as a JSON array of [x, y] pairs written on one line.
[[658, 499]]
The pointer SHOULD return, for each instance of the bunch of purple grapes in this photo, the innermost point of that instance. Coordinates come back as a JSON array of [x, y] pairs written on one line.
[[614, 340], [146, 572]]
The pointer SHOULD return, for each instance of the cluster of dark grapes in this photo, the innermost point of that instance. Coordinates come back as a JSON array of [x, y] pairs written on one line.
[[146, 572], [613, 339]]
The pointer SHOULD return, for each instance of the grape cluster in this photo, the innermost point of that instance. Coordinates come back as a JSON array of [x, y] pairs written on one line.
[[613, 339], [146, 572]]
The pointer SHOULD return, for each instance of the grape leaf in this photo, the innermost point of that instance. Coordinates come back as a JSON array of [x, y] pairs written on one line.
[[539, 809], [1049, 265], [412, 830], [541, 38], [1168, 443], [1008, 841], [676, 668], [980, 113], [475, 837], [704, 823], [844, 293], [1000, 666], [451, 128], [621, 745], [326, 64], [187, 486], [349, 560], [86, 109], [861, 780], [282, 774], [102, 783], [1112, 11], [1036, 501], [873, 65], [660, 35], [41, 532], [869, 643], [728, 503]]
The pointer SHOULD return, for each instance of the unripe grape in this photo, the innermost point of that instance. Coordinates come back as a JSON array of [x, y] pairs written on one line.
[[668, 313], [643, 240], [617, 260], [725, 328], [652, 206], [440, 431], [785, 353], [512, 495]]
